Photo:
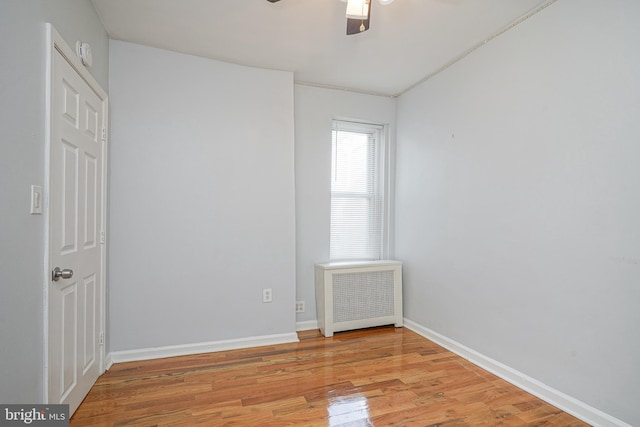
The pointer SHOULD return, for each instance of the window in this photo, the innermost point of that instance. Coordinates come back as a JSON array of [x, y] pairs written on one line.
[[357, 192]]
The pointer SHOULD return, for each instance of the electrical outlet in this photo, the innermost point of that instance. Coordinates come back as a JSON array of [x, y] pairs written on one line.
[[267, 295], [299, 306]]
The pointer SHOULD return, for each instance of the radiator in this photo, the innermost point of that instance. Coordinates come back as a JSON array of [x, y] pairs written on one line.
[[358, 295]]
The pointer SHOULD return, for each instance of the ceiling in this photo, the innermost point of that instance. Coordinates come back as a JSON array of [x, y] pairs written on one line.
[[408, 40]]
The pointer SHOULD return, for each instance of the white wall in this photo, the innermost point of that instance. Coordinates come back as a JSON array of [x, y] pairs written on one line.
[[22, 163], [202, 200], [518, 201], [315, 108]]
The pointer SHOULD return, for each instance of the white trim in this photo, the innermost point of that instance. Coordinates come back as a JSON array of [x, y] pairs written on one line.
[[571, 405], [307, 325], [197, 348], [55, 42], [346, 89], [108, 362]]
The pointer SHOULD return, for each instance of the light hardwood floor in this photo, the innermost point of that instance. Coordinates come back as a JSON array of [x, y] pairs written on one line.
[[374, 377]]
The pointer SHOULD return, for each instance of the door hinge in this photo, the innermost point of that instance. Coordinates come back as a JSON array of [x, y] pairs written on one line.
[[104, 134], [101, 338], [102, 237]]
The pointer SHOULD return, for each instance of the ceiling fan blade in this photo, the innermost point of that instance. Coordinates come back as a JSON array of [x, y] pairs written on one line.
[[356, 26]]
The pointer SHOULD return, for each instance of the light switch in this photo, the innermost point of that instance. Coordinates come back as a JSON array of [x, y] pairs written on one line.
[[36, 200]]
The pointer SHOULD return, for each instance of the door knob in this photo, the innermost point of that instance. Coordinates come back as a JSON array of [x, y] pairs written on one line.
[[57, 273]]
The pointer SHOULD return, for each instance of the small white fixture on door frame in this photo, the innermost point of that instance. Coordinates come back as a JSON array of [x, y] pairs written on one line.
[[83, 50]]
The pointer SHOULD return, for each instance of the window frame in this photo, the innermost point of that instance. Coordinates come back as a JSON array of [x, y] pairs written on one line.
[[382, 181]]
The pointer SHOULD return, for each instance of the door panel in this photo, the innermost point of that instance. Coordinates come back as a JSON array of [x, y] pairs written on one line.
[[69, 339], [69, 215], [89, 322], [90, 232], [75, 209]]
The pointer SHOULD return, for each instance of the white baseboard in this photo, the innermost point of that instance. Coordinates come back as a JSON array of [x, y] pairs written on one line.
[[108, 362], [573, 406], [306, 325], [205, 347]]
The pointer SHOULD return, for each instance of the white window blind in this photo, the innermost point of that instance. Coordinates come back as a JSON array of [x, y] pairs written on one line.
[[356, 192]]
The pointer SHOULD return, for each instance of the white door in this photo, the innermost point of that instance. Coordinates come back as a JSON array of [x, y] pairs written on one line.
[[75, 297]]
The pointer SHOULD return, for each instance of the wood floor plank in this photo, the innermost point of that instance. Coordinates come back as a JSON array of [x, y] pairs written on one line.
[[373, 377]]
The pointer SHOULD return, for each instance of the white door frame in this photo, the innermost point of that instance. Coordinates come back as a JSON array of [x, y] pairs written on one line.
[[55, 43]]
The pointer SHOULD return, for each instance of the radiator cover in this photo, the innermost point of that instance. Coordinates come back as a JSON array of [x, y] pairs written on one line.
[[358, 295]]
